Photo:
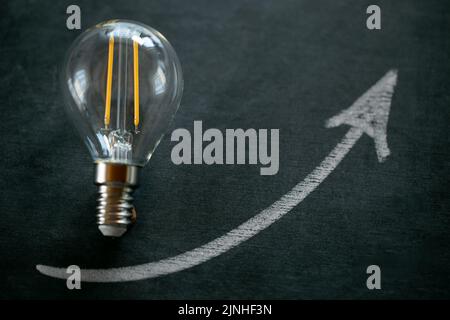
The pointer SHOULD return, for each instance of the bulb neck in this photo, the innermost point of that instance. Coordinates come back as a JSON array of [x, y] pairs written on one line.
[[115, 209]]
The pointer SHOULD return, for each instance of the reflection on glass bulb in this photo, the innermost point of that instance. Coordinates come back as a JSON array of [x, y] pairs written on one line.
[[122, 84]]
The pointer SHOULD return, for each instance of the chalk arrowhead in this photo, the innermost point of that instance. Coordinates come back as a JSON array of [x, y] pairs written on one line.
[[370, 113]]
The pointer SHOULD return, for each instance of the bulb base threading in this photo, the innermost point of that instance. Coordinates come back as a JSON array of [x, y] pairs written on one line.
[[115, 210]]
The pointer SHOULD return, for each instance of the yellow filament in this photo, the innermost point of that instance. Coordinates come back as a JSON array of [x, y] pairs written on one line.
[[136, 83], [109, 81]]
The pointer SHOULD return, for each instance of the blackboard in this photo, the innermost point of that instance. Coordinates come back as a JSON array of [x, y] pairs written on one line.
[[289, 65]]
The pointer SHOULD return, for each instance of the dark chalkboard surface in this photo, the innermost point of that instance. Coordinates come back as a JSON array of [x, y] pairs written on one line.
[[289, 65]]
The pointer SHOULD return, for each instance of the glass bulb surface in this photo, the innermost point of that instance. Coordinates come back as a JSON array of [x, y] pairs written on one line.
[[122, 84]]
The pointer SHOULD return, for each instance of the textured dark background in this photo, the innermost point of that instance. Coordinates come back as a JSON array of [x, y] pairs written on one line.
[[249, 64]]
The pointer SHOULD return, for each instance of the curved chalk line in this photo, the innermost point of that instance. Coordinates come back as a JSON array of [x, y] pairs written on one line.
[[378, 97]]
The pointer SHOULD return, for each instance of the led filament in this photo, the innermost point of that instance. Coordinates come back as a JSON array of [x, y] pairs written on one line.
[[109, 82], [120, 139]]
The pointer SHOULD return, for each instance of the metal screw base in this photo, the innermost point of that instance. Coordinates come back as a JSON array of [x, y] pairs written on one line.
[[115, 210]]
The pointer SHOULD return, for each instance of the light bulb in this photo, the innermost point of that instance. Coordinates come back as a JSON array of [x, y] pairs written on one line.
[[122, 85]]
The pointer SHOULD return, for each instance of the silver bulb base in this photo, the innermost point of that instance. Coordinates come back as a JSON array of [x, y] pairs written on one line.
[[115, 209]]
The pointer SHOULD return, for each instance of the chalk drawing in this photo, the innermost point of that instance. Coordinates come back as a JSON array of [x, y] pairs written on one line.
[[368, 114]]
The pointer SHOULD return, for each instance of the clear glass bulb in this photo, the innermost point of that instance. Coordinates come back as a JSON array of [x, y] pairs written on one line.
[[122, 84]]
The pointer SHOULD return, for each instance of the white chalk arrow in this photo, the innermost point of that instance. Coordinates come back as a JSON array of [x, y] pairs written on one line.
[[369, 114]]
